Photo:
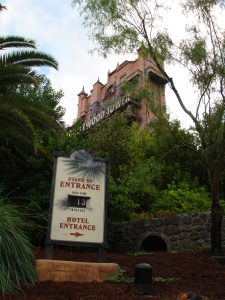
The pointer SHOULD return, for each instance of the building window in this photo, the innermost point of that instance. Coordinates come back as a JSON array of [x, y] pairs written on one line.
[[110, 90], [122, 78]]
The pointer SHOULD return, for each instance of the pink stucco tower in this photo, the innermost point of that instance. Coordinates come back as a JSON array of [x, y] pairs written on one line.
[[105, 99]]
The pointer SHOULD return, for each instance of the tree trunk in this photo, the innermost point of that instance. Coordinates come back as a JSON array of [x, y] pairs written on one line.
[[216, 226], [216, 219]]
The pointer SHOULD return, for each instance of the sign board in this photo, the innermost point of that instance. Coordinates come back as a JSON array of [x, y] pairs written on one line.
[[78, 204]]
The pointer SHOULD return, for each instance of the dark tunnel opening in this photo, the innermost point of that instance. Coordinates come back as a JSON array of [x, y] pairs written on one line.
[[153, 243]]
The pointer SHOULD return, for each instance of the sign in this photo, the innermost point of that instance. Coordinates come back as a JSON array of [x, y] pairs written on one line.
[[78, 204], [112, 107]]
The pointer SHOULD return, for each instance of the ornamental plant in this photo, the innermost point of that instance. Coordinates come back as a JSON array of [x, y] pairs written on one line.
[[16, 255]]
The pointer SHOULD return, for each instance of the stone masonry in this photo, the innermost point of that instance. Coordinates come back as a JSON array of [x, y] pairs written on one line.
[[180, 232]]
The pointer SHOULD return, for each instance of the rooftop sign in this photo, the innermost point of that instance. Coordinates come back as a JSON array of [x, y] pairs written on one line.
[[112, 107]]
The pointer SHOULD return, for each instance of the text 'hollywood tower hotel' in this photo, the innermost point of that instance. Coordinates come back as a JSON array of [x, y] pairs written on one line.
[[105, 99]]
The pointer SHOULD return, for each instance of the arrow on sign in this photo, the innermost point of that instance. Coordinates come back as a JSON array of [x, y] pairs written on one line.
[[76, 234]]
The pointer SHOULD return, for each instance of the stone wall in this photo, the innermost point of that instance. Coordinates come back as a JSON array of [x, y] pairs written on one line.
[[179, 232]]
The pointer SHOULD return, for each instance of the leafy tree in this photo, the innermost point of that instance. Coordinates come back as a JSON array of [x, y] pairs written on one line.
[[110, 140], [124, 25], [75, 138], [177, 151]]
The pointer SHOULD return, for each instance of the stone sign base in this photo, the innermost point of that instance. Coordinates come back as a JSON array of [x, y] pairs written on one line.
[[57, 270]]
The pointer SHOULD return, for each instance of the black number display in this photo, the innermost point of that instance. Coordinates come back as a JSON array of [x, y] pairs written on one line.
[[77, 201]]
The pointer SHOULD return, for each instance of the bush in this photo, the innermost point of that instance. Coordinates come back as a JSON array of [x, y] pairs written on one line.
[[121, 206], [182, 198], [16, 255]]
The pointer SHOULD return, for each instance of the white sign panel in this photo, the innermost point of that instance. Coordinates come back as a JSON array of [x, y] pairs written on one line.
[[78, 202]]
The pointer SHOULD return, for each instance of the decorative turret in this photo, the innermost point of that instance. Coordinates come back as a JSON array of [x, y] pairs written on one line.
[[82, 92], [96, 92], [82, 103]]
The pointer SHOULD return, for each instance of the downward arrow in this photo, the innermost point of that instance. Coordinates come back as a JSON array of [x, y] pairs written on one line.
[[76, 234]]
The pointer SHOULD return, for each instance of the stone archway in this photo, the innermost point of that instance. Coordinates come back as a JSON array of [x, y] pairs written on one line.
[[154, 241]]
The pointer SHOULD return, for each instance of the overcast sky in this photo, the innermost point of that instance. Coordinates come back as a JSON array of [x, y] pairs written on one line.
[[57, 29]]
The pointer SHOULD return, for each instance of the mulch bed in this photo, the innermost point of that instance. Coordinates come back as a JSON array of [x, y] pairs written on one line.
[[173, 273]]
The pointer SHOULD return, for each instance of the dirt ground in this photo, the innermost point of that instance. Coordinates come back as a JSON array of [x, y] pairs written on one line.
[[174, 274]]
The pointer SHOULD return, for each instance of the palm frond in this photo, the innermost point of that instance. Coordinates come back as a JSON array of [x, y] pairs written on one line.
[[15, 74], [16, 42], [29, 58], [16, 125], [42, 116]]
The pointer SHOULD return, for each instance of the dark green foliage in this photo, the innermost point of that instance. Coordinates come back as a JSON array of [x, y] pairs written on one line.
[[26, 176], [176, 149], [110, 139], [148, 167], [121, 205]]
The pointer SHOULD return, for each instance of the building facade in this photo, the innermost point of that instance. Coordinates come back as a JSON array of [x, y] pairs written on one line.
[[106, 99]]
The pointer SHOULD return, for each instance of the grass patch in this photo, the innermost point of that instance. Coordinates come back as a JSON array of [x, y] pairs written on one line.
[[120, 277], [140, 253], [166, 279]]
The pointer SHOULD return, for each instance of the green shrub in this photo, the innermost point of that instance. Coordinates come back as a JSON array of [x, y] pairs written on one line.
[[121, 208], [16, 255], [182, 198]]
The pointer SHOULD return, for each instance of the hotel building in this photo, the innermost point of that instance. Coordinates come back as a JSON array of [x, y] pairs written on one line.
[[106, 99]]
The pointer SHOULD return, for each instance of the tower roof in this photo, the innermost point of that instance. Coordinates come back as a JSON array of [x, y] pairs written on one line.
[[82, 92], [98, 82]]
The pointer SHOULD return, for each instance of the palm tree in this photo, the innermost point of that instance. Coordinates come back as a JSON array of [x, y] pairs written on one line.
[[18, 66], [19, 117], [22, 119], [20, 122]]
